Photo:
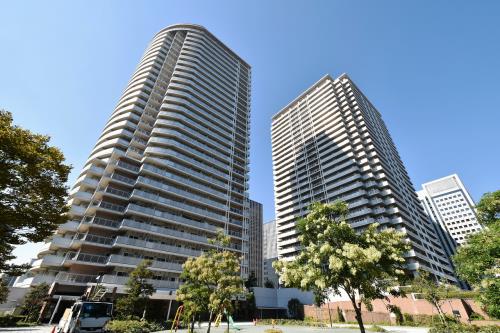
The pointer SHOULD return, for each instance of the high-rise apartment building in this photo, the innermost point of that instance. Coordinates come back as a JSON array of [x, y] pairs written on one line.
[[270, 253], [451, 208], [169, 169], [330, 143], [255, 241]]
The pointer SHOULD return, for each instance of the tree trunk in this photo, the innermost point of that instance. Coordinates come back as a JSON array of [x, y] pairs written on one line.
[[441, 314], [330, 314], [359, 318], [144, 313], [192, 323], [227, 317], [210, 320]]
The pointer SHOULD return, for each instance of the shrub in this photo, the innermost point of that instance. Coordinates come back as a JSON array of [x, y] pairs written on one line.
[[375, 328], [295, 309], [462, 328], [132, 326], [10, 320], [422, 320], [476, 316], [340, 315]]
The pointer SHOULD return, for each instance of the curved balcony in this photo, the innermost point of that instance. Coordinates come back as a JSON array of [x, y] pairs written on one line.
[[190, 161], [151, 212], [92, 239], [73, 278], [122, 280], [189, 171], [47, 261], [173, 203], [188, 195], [143, 227], [183, 180], [145, 245], [119, 260], [85, 258]]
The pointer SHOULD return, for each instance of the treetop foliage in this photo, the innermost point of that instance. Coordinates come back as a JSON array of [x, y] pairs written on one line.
[[488, 208], [32, 189], [212, 280], [478, 260], [334, 257]]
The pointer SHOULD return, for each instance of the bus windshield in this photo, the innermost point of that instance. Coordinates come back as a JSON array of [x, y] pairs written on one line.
[[96, 310]]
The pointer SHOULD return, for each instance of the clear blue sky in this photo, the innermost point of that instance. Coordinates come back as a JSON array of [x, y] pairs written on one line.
[[432, 68]]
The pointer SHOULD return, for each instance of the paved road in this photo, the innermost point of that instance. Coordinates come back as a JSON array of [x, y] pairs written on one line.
[[32, 329]]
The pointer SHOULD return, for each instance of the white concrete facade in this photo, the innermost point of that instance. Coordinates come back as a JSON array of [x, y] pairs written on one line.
[[331, 143], [448, 203], [270, 253], [168, 171]]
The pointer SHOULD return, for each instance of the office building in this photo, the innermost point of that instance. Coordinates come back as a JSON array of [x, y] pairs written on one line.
[[169, 169], [255, 241], [330, 143], [449, 205], [270, 253]]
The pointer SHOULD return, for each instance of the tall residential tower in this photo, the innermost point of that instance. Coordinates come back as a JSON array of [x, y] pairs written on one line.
[[169, 169], [330, 143]]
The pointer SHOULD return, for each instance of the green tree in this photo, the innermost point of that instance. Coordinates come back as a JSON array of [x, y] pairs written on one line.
[[364, 265], [478, 260], [488, 208], [268, 284], [138, 292], [433, 291], [4, 291], [33, 302], [251, 281], [295, 309], [212, 280], [32, 189], [321, 298]]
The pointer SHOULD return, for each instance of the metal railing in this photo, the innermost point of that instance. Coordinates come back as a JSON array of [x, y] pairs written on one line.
[[156, 246], [86, 257], [171, 217]]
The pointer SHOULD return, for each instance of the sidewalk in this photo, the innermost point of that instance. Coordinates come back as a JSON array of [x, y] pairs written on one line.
[[248, 327]]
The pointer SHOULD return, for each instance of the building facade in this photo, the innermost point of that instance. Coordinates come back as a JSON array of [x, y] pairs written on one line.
[[169, 169], [330, 143], [255, 241], [449, 205], [270, 253]]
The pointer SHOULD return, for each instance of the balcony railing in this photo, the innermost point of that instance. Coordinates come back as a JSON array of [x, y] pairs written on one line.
[[184, 180], [194, 173], [102, 221], [122, 280], [64, 277], [163, 231], [94, 239], [171, 217], [111, 206], [181, 192], [117, 192], [86, 257], [186, 207], [132, 261], [128, 166], [122, 240]]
